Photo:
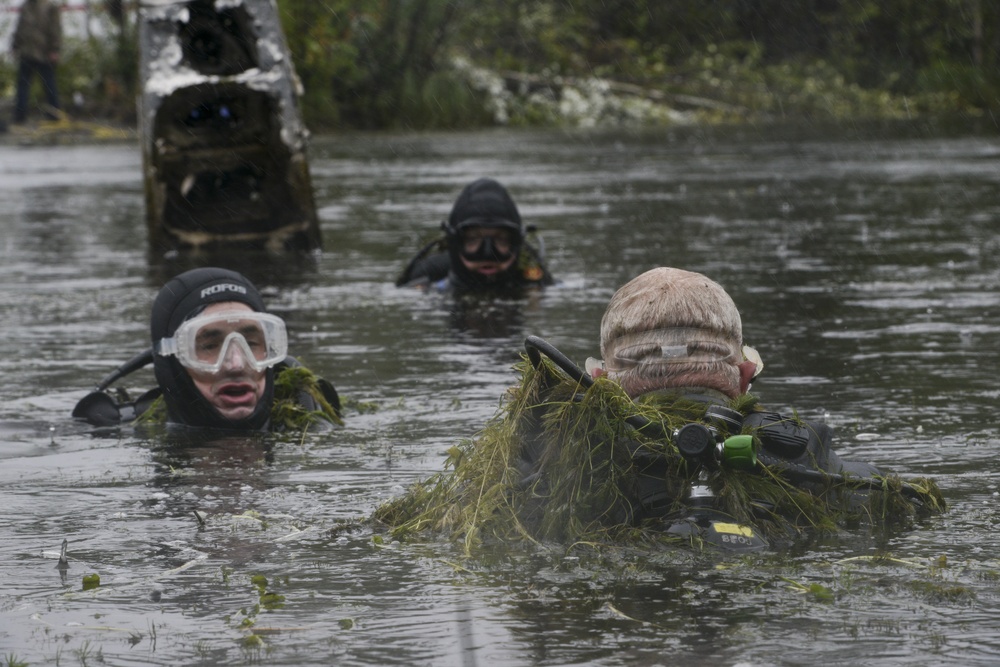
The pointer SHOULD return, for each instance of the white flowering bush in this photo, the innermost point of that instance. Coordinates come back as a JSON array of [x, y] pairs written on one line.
[[556, 100]]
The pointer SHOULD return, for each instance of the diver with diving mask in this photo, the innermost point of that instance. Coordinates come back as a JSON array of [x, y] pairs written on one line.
[[216, 354]]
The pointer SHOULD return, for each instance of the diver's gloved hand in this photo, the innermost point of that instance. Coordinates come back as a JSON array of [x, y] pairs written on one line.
[[98, 408]]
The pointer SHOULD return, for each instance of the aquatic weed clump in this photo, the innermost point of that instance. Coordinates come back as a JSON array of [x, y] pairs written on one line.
[[561, 463], [288, 411]]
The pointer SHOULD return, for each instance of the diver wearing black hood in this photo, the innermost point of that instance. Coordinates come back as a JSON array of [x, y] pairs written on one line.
[[484, 247], [179, 300], [215, 355]]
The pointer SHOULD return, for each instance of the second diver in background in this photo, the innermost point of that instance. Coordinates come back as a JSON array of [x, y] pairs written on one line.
[[484, 249]]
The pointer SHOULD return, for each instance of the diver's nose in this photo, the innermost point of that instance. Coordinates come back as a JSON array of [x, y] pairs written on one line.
[[235, 358], [489, 250]]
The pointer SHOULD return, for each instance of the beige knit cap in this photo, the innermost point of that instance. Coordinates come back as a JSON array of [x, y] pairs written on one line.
[[670, 328]]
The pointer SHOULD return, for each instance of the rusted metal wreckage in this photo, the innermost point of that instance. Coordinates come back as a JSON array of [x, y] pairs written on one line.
[[223, 143]]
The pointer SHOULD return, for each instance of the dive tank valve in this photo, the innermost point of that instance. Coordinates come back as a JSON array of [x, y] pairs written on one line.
[[737, 452], [697, 443], [712, 444]]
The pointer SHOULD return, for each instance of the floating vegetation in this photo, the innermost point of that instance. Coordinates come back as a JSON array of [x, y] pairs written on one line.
[[361, 407], [91, 581], [940, 593], [564, 463], [289, 387], [819, 592], [267, 600]]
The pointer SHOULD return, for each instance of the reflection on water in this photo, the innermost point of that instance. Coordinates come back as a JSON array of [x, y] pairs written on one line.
[[865, 269], [264, 268]]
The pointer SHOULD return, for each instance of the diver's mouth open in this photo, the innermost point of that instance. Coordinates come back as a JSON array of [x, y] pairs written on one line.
[[487, 269], [237, 393]]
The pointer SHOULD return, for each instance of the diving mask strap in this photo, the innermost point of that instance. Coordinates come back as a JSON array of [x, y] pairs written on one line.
[[753, 356]]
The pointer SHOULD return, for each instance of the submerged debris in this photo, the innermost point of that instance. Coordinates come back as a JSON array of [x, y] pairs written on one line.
[[63, 563], [590, 460]]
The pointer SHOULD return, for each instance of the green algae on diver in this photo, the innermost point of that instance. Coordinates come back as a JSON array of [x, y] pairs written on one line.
[[593, 459]]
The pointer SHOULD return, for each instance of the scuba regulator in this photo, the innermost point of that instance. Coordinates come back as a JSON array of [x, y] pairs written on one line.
[[711, 444]]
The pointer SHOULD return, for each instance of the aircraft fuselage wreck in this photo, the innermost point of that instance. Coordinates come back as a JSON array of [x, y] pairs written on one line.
[[223, 143]]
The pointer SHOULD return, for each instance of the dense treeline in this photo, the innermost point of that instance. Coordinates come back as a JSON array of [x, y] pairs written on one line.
[[380, 63], [454, 63]]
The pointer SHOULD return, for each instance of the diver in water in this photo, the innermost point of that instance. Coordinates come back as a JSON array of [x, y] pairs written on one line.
[[673, 341], [660, 438], [671, 331], [484, 248], [216, 355]]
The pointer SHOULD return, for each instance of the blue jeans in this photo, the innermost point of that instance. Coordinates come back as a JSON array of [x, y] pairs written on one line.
[[26, 69]]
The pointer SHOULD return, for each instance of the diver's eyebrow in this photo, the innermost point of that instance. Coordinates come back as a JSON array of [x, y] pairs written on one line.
[[248, 329], [209, 332]]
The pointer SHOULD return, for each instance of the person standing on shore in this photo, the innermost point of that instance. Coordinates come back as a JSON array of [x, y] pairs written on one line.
[[36, 44]]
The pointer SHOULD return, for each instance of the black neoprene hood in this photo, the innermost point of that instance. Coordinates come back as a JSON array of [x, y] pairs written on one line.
[[180, 299], [483, 203]]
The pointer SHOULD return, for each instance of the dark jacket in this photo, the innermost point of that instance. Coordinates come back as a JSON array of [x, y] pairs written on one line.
[[39, 31]]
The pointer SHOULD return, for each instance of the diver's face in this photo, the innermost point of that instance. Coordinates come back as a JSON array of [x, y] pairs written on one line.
[[236, 388], [501, 243]]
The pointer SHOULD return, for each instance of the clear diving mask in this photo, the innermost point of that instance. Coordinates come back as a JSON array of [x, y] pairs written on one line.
[[204, 343], [669, 346], [488, 240], [673, 346]]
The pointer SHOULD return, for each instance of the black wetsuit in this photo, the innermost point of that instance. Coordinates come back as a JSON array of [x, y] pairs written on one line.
[[432, 269], [99, 414]]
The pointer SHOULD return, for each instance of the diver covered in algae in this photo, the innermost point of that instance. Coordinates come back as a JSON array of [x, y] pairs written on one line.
[[660, 437], [220, 361], [484, 248]]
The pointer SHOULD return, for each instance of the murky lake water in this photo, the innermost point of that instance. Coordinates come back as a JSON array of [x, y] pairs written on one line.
[[866, 268]]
